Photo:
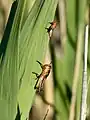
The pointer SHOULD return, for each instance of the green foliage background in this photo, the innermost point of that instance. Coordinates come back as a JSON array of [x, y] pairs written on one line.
[[26, 43], [25, 40]]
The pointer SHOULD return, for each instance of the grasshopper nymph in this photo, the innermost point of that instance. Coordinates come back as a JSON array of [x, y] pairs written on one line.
[[51, 28], [46, 68]]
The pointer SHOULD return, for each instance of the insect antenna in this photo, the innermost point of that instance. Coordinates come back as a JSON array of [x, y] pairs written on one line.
[[47, 29], [40, 63], [51, 23], [36, 74]]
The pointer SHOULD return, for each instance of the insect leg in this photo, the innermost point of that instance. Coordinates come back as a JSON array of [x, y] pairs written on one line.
[[36, 87]]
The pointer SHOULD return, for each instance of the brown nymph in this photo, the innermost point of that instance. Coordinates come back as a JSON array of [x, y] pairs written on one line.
[[51, 28], [46, 68]]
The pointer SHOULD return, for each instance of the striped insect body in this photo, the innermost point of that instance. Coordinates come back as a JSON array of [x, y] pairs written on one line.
[[42, 77], [51, 28]]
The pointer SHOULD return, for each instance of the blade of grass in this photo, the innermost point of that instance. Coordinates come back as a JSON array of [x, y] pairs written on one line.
[[63, 67], [9, 65], [7, 94], [32, 46], [77, 68], [83, 109]]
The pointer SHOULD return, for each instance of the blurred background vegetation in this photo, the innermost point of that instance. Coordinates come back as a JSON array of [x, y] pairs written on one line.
[[24, 40]]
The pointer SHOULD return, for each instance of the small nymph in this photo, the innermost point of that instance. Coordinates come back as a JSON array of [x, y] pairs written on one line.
[[46, 68], [51, 28]]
